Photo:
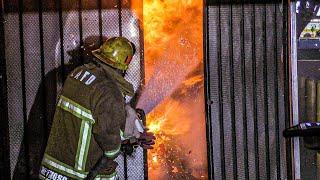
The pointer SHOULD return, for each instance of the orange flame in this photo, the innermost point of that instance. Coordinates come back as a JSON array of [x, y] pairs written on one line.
[[173, 41]]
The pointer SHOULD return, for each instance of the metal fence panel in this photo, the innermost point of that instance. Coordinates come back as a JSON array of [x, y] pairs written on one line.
[[246, 87], [14, 87], [38, 46]]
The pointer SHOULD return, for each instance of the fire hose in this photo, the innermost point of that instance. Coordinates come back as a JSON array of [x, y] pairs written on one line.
[[310, 131], [146, 139]]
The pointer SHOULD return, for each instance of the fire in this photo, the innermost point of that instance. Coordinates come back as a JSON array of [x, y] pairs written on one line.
[[172, 30], [163, 119], [155, 159], [154, 126], [173, 93], [173, 121]]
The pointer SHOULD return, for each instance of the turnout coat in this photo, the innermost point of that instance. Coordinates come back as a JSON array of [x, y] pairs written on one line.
[[89, 120]]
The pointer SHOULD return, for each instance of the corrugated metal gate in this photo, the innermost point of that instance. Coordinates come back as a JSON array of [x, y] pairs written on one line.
[[41, 38], [247, 80], [247, 90]]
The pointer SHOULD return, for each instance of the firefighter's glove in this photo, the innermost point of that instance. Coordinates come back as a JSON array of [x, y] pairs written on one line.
[[146, 140], [128, 146]]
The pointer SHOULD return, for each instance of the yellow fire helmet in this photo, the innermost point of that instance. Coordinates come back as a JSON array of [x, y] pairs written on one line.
[[116, 52]]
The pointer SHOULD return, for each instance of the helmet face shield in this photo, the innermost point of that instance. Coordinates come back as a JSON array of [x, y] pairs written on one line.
[[116, 52]]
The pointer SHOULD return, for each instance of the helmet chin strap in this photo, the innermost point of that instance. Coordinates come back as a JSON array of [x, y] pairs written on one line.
[[122, 72]]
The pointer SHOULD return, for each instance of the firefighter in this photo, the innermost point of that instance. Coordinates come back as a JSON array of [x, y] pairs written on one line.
[[91, 118]]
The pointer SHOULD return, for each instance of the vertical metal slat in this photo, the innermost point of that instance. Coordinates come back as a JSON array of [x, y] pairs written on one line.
[[287, 80], [244, 95], [63, 75], [119, 5], [42, 59], [254, 96], [125, 159], [80, 30], [99, 2], [23, 80], [208, 101], [223, 169], [4, 123], [232, 99], [276, 94], [248, 48], [213, 77], [142, 70], [266, 95]]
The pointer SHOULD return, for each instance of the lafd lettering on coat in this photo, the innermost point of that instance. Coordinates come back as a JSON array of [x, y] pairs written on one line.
[[84, 76]]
